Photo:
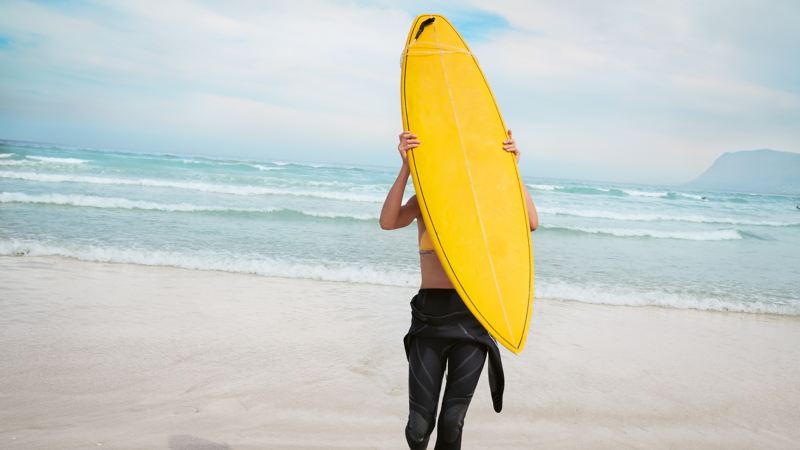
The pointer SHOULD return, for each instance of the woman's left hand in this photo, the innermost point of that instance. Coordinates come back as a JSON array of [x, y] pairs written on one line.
[[510, 146]]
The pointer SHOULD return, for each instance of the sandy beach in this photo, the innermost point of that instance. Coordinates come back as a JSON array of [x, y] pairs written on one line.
[[134, 357]]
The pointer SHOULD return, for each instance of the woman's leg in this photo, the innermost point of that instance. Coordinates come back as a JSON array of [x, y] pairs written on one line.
[[426, 361], [465, 362]]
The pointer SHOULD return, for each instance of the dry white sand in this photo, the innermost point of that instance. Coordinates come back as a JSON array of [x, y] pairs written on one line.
[[131, 357]]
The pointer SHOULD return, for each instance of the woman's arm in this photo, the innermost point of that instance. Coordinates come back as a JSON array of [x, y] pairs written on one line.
[[394, 214], [510, 145]]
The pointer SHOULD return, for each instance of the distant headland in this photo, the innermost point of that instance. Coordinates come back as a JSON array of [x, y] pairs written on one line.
[[758, 171]]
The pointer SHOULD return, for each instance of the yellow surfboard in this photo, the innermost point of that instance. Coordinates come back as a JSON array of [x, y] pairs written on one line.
[[468, 187]]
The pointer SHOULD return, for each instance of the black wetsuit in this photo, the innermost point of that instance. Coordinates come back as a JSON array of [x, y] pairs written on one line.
[[445, 333]]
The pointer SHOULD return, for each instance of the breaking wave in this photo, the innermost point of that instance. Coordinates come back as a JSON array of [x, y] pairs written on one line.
[[645, 217], [124, 203], [192, 185], [714, 235]]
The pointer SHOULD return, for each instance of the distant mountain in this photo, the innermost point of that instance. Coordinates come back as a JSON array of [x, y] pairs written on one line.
[[761, 171]]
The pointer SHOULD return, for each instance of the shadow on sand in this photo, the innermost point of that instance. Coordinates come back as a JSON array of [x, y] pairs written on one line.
[[187, 442]]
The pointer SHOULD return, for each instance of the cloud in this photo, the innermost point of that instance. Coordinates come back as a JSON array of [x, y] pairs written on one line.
[[730, 96], [328, 71], [636, 91], [659, 88]]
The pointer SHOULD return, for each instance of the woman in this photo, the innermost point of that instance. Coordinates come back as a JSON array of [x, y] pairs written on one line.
[[443, 331]]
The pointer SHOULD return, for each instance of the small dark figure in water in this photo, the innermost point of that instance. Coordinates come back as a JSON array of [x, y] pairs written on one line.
[[797, 206]]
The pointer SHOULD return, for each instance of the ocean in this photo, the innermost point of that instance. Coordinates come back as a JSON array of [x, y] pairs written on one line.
[[599, 242]]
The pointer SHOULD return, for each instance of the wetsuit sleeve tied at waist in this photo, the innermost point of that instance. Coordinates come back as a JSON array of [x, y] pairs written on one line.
[[460, 325]]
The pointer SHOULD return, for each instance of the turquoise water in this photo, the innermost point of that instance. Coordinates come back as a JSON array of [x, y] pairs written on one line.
[[598, 242]]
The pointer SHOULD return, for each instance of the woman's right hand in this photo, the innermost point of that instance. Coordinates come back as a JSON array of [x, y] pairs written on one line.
[[408, 141]]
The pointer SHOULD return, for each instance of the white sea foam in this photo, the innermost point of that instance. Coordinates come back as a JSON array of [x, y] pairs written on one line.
[[617, 296], [645, 217], [323, 270], [337, 271], [6, 155], [544, 187], [263, 168], [192, 185], [260, 167], [107, 202], [714, 235], [636, 193], [315, 165], [52, 160], [335, 215], [124, 203], [345, 184], [584, 189]]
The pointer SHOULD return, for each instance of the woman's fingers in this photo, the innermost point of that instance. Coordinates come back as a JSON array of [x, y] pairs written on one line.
[[510, 146], [408, 137], [408, 141], [408, 145]]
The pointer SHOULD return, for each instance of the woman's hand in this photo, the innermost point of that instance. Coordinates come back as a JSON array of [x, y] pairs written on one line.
[[510, 146], [408, 141]]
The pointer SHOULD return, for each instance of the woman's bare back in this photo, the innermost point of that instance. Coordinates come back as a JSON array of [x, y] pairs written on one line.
[[433, 275]]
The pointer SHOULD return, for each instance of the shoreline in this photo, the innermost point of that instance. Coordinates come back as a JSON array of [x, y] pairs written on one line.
[[131, 356], [69, 259]]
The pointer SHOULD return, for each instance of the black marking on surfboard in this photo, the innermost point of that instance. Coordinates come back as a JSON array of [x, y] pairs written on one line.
[[424, 25]]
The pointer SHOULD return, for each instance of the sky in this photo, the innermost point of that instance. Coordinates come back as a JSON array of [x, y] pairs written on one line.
[[620, 90]]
